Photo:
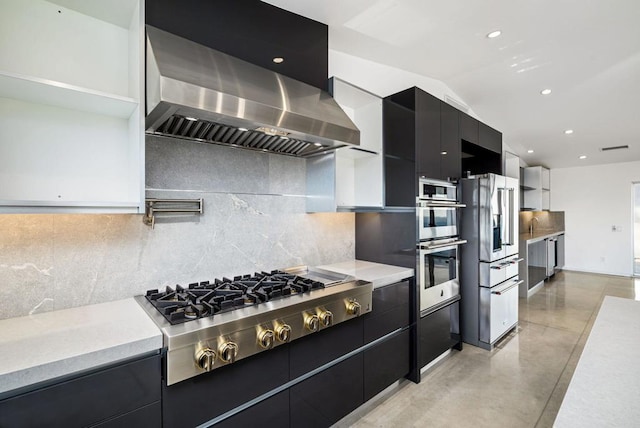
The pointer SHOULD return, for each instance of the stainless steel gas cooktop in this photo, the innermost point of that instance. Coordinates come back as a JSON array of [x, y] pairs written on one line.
[[208, 325]]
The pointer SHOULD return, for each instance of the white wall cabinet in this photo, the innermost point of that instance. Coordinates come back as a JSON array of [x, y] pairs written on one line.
[[351, 178], [536, 188], [71, 106]]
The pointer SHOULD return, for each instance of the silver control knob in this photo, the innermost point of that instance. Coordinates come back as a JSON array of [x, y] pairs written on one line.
[[353, 308], [326, 317], [311, 322], [227, 352], [283, 332], [205, 359], [266, 338]]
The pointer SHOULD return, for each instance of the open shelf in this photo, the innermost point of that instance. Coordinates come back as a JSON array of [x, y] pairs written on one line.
[[49, 92]]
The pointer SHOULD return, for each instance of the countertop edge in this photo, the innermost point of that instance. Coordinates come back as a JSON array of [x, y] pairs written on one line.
[[379, 274], [525, 237], [78, 364]]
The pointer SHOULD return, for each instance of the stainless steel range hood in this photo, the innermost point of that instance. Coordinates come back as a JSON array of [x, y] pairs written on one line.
[[197, 93]]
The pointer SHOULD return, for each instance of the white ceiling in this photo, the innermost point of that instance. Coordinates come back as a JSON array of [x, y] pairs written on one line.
[[586, 51]]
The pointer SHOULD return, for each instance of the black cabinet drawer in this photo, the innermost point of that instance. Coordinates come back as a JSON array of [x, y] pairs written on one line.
[[314, 350], [272, 413], [435, 334], [390, 311], [328, 396], [88, 399], [149, 416], [204, 397], [385, 363]]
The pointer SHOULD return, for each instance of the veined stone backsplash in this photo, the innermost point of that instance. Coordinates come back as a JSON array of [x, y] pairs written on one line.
[[254, 219]]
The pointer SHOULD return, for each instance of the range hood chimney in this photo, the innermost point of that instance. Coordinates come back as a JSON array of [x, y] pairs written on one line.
[[197, 93]]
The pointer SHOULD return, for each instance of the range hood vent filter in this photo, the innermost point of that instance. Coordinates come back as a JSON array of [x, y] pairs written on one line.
[[210, 132]]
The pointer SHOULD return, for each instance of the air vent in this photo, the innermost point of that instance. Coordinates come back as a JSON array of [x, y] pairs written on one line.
[[215, 133], [606, 149], [457, 104]]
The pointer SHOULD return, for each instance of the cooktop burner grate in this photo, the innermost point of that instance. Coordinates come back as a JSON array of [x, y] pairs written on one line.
[[204, 299]]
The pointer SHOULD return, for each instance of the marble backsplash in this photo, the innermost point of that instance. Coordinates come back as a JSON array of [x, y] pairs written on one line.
[[254, 219], [547, 220]]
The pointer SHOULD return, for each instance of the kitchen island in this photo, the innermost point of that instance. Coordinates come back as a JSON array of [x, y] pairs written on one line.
[[604, 390], [542, 253]]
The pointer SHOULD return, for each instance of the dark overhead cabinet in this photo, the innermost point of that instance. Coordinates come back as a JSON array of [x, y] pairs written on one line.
[[489, 138], [250, 30], [481, 146], [419, 126], [468, 128]]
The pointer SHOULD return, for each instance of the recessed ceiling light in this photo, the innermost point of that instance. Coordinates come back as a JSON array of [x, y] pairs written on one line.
[[494, 34], [568, 131], [191, 119], [583, 157], [443, 153], [243, 129], [545, 91], [278, 60], [529, 151], [317, 144]]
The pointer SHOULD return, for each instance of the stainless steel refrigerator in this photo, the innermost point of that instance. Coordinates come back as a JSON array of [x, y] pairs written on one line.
[[489, 261]]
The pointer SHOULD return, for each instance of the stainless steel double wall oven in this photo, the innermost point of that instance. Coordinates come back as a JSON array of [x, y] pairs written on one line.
[[438, 264]]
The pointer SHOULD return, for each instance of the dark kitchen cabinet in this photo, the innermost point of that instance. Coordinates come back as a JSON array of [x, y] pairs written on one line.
[[251, 30], [469, 127], [391, 311], [398, 129], [387, 237], [481, 146], [385, 363], [128, 393], [204, 397], [314, 350], [328, 396], [399, 182], [149, 416], [450, 144], [428, 150], [272, 413], [437, 333], [489, 138], [419, 126]]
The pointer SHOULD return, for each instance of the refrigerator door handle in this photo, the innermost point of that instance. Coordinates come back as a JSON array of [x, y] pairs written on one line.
[[510, 217]]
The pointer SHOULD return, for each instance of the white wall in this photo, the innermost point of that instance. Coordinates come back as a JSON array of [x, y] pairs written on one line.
[[595, 198]]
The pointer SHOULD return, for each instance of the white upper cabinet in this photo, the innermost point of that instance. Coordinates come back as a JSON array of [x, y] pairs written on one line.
[[352, 178], [71, 106], [537, 188]]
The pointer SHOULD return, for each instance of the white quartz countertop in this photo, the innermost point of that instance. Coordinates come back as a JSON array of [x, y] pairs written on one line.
[[44, 346], [605, 388], [377, 273]]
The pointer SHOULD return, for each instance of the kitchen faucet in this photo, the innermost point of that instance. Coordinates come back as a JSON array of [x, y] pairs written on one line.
[[531, 225]]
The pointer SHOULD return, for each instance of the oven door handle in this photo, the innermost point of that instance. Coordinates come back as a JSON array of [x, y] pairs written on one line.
[[448, 244], [504, 290], [436, 204]]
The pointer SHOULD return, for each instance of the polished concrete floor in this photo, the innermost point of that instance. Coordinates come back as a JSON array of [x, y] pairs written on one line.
[[521, 382]]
